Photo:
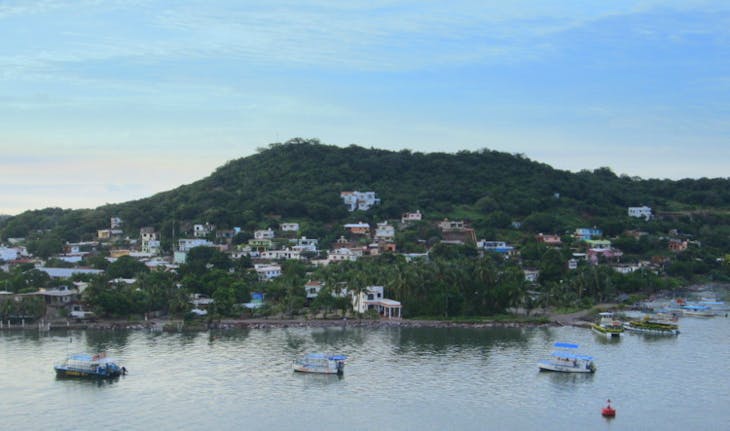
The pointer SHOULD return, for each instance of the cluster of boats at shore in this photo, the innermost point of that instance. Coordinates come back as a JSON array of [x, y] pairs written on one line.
[[662, 322]]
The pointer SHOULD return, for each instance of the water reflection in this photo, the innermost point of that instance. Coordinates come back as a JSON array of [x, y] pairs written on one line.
[[82, 382], [602, 339], [318, 379], [103, 341], [338, 335], [441, 340]]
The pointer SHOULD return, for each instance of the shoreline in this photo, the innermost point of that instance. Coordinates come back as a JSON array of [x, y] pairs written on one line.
[[178, 325]]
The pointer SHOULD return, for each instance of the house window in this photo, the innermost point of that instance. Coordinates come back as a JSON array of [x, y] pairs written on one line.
[[370, 297]]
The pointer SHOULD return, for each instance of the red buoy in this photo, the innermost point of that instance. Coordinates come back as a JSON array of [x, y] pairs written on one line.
[[608, 411]]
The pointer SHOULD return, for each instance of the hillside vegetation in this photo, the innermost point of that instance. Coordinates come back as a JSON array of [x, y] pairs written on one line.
[[300, 180], [503, 197]]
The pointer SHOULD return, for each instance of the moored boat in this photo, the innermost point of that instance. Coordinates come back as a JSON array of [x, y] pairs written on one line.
[[697, 310], [97, 366], [649, 325], [566, 361], [320, 363], [608, 326]]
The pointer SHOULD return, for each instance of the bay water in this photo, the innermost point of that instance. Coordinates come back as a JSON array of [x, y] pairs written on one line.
[[397, 378]]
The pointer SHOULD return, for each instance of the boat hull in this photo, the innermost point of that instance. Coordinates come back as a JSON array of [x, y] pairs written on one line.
[[654, 330], [73, 373], [610, 332], [313, 370], [565, 368]]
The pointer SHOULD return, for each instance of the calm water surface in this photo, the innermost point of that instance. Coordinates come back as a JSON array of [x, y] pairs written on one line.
[[396, 379]]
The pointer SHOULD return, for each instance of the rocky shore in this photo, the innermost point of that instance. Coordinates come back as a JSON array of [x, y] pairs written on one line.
[[174, 325]]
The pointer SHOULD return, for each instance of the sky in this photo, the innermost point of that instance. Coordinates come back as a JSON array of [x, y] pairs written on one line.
[[114, 100]]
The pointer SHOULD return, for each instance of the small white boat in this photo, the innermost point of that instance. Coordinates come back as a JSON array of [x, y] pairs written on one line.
[[697, 311], [607, 326], [565, 361], [320, 363]]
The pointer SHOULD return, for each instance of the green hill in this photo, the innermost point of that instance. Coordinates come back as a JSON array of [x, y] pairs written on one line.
[[301, 180]]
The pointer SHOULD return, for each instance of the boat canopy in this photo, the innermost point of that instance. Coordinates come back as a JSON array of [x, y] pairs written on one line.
[[568, 355], [324, 356], [566, 345], [696, 307]]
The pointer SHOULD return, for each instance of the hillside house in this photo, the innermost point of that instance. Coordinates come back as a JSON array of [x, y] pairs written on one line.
[[598, 244], [531, 275], [379, 247], [495, 246], [640, 212], [11, 253], [384, 231], [343, 254], [312, 288], [553, 240], [586, 233], [109, 234], [411, 217], [187, 244], [150, 241], [372, 298], [202, 230], [451, 226], [267, 271], [115, 223], [304, 244], [677, 245], [259, 244], [287, 254], [68, 272], [264, 234], [593, 254], [362, 201], [289, 227], [359, 228]]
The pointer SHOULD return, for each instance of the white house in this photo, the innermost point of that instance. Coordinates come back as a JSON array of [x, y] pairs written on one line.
[[264, 234], [304, 244], [640, 212], [186, 244], [150, 241], [372, 298], [312, 289], [362, 201], [115, 222], [202, 230], [342, 254], [531, 275], [7, 254], [290, 227], [449, 225], [287, 253], [267, 271], [384, 231], [411, 217]]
